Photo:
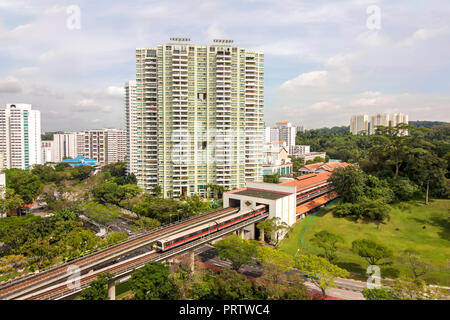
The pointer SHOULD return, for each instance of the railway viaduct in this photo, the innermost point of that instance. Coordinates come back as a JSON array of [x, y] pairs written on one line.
[[289, 202]]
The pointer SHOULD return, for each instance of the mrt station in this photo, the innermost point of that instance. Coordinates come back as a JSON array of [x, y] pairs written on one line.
[[289, 201]]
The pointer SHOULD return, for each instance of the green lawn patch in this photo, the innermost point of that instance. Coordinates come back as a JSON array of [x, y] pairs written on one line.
[[425, 229]]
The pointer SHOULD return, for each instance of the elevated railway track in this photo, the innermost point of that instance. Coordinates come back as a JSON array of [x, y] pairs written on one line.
[[17, 287]]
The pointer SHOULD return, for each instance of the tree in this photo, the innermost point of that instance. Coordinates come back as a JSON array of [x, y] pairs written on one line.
[[65, 214], [152, 282], [275, 264], [321, 272], [115, 237], [157, 190], [417, 266], [81, 172], [296, 289], [349, 183], [235, 249], [328, 241], [230, 285], [393, 144], [378, 294], [426, 166], [10, 201], [24, 183], [11, 263], [273, 229], [272, 178], [371, 251], [98, 289], [406, 288]]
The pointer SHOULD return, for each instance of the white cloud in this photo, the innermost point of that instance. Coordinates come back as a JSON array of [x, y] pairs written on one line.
[[10, 85], [423, 34], [316, 79]]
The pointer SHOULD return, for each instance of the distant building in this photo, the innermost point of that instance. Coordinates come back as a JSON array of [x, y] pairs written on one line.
[[368, 125], [359, 124], [64, 146], [321, 167], [380, 119], [47, 152], [131, 126], [276, 159], [103, 145], [397, 118], [287, 133], [20, 136], [312, 155], [299, 150], [271, 134], [81, 161]]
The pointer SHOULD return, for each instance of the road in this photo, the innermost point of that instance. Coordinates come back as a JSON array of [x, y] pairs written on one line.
[[347, 289]]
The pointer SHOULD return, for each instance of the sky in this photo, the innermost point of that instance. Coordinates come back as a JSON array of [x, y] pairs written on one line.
[[324, 60]]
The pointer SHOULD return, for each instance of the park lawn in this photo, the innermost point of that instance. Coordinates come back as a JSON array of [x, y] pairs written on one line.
[[432, 243]]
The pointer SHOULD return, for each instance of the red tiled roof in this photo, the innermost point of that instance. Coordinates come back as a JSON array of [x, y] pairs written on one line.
[[313, 166], [309, 180], [306, 207]]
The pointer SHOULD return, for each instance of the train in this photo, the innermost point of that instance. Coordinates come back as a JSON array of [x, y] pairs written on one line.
[[175, 240]]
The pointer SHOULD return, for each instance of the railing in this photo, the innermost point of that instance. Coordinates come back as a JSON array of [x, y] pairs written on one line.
[[84, 256], [172, 252]]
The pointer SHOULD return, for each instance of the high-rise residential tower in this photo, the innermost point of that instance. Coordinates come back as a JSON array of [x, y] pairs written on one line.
[[380, 119], [130, 123], [359, 124], [199, 116], [20, 136], [65, 145], [103, 145], [287, 133]]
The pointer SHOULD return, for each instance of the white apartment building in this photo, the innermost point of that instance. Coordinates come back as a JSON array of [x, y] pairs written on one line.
[[272, 134], [287, 133], [65, 145], [47, 152], [359, 124], [199, 116], [116, 142], [131, 128], [380, 119], [299, 150], [20, 136], [103, 145]]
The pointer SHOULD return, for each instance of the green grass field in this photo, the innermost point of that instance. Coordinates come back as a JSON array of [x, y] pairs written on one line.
[[404, 230]]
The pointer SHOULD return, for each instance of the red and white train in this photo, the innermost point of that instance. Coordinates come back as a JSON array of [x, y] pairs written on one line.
[[175, 240]]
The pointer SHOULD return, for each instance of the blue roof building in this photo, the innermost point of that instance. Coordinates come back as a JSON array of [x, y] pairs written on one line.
[[81, 161]]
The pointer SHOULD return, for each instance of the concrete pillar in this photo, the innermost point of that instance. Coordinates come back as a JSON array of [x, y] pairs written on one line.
[[191, 256], [112, 289], [242, 233]]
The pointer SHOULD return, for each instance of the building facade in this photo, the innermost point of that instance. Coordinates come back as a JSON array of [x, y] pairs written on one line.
[[380, 119], [65, 145], [287, 133], [364, 124], [103, 145], [47, 152], [20, 136], [199, 117], [130, 124], [359, 124]]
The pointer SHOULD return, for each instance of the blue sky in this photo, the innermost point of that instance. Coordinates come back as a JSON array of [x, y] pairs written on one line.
[[322, 61]]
